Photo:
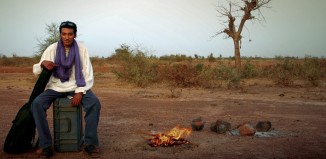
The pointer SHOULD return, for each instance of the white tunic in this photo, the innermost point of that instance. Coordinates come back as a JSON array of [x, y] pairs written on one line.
[[68, 86]]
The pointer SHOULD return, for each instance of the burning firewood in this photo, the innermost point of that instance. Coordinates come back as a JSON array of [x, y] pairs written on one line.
[[175, 136]]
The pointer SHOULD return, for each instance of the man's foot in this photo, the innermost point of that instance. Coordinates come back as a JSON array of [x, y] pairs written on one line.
[[92, 151], [44, 153]]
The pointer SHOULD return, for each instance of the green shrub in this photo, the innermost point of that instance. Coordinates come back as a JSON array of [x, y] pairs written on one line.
[[311, 70], [136, 67], [207, 77], [283, 73], [249, 70], [228, 74]]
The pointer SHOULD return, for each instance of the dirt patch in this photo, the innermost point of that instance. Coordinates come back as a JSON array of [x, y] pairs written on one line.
[[297, 116]]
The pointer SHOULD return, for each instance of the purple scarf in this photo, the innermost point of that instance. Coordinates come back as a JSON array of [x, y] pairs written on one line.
[[65, 63]]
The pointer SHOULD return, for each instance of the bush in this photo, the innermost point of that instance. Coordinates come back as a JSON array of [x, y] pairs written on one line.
[[207, 77], [183, 75], [135, 67], [283, 72], [249, 70], [228, 74], [311, 70]]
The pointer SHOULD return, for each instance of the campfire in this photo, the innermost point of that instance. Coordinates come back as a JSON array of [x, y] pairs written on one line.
[[175, 136]]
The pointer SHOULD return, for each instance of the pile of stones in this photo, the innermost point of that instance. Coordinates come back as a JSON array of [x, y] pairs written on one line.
[[224, 127]]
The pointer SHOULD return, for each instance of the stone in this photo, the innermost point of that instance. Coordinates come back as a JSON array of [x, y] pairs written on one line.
[[197, 124], [263, 126], [213, 127], [222, 126], [246, 129]]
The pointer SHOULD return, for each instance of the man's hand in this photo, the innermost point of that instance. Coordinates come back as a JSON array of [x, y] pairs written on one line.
[[76, 100], [49, 65]]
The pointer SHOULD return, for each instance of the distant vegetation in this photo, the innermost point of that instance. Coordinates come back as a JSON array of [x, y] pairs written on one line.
[[212, 72], [16, 61], [135, 66]]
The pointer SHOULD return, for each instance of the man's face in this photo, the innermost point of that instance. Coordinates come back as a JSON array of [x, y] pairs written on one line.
[[67, 36]]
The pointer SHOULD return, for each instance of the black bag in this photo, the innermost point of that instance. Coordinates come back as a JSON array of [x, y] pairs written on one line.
[[22, 133]]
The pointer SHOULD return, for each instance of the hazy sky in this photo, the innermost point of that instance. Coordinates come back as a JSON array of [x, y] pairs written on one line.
[[163, 27]]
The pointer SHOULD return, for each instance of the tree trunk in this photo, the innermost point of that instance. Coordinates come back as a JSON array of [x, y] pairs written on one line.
[[237, 55]]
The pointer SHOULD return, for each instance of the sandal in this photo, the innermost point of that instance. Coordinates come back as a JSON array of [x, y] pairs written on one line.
[[92, 151], [44, 153]]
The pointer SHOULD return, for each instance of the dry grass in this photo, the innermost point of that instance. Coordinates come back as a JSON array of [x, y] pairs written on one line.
[[133, 66]]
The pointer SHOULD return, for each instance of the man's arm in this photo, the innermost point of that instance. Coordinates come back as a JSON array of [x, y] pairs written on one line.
[[76, 100], [49, 65], [47, 55]]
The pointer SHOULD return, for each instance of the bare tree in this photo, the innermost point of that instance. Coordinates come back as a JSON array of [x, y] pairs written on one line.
[[53, 36], [243, 11]]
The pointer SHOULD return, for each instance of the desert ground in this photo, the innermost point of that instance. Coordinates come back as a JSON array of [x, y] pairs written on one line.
[[297, 114]]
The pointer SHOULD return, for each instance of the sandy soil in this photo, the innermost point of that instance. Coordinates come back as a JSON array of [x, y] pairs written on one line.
[[297, 114]]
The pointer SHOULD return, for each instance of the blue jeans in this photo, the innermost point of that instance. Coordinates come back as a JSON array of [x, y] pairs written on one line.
[[91, 106]]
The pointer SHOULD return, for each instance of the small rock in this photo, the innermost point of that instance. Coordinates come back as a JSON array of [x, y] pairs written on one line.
[[197, 124], [220, 126], [246, 129], [213, 127], [263, 126]]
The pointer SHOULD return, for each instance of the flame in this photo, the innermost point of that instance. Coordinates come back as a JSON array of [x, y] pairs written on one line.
[[175, 136]]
